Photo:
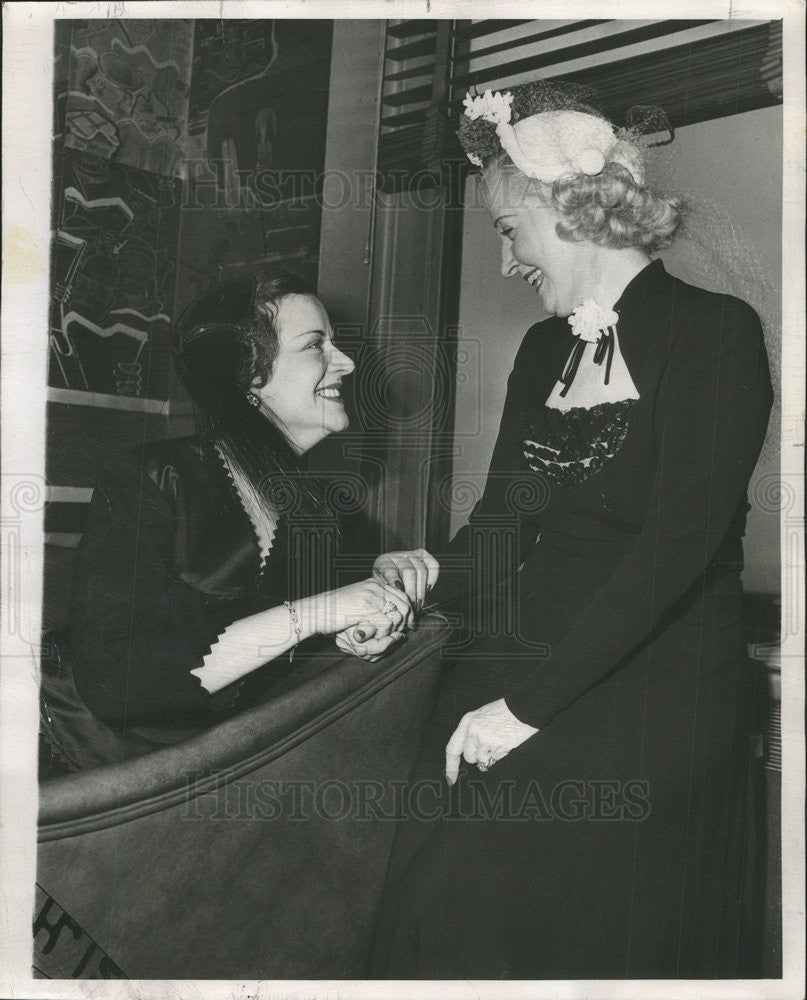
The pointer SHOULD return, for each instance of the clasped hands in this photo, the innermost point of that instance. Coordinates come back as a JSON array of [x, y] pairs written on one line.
[[411, 574]]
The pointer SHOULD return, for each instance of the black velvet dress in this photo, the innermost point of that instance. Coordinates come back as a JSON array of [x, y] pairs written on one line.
[[604, 560], [168, 559]]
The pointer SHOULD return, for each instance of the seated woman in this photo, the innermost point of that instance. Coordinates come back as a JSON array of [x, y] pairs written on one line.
[[205, 558]]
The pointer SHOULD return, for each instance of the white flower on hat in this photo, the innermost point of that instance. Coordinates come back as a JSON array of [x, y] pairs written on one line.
[[493, 107], [551, 144]]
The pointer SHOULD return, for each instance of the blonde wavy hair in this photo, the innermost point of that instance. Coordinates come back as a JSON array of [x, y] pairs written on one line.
[[613, 208], [610, 209]]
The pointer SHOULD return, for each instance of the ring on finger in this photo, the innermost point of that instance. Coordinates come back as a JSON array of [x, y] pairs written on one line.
[[485, 765], [390, 608]]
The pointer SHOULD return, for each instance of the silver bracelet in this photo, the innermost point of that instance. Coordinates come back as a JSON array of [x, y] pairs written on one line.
[[296, 623]]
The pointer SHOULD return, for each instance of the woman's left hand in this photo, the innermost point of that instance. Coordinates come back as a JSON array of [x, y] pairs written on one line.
[[485, 736], [371, 648]]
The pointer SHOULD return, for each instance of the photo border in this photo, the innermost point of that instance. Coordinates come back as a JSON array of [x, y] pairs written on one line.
[[27, 98]]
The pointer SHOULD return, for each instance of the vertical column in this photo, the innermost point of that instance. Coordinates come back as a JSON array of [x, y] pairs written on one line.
[[346, 243], [350, 159]]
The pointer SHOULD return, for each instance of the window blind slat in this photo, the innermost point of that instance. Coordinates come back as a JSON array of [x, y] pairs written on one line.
[[410, 50], [538, 36], [414, 95], [407, 29], [478, 29], [578, 51], [410, 74], [405, 118], [691, 82]]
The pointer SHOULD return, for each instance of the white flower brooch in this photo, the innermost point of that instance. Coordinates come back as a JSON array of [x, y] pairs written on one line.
[[590, 321]]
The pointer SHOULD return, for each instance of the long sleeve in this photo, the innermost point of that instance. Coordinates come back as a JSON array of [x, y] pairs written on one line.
[[710, 419], [137, 629], [509, 492]]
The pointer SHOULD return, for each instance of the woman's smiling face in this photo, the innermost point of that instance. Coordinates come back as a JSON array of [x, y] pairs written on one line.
[[531, 246], [304, 390]]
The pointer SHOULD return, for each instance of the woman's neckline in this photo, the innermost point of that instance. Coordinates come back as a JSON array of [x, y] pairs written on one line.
[[262, 522], [651, 268]]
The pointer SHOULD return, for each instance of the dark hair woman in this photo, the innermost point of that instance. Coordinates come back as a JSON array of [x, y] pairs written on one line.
[[597, 832], [204, 558]]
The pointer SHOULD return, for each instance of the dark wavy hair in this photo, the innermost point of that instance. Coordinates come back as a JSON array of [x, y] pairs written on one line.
[[226, 343]]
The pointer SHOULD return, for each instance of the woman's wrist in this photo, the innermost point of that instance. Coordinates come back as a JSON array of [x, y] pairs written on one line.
[[310, 619]]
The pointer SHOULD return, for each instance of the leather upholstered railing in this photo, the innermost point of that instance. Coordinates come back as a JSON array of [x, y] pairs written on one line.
[[254, 850]]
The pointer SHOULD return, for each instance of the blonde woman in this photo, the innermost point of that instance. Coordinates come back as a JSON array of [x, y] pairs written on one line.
[[598, 756]]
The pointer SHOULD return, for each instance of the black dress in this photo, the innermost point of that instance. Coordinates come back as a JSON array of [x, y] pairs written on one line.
[[168, 559], [605, 560]]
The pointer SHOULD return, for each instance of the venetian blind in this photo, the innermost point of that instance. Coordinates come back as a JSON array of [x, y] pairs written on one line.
[[694, 70]]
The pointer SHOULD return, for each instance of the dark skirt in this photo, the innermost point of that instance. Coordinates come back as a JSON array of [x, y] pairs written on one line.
[[610, 844]]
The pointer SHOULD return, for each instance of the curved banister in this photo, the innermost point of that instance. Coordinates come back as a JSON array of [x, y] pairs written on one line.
[[169, 866], [114, 794]]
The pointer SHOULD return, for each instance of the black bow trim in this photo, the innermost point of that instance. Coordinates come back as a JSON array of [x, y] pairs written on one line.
[[605, 349], [570, 369]]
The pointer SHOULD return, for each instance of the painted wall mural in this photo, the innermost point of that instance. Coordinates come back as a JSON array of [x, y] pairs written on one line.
[[120, 119], [256, 148], [129, 82], [226, 55], [259, 93], [179, 146], [113, 274]]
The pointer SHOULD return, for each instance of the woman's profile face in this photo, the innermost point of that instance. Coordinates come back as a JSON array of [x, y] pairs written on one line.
[[304, 389], [531, 247]]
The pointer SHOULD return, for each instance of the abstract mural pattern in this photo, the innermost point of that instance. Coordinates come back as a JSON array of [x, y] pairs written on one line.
[[120, 121], [113, 274], [179, 147], [129, 82]]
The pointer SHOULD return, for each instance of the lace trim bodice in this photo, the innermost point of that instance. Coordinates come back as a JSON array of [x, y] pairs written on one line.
[[584, 421], [572, 445]]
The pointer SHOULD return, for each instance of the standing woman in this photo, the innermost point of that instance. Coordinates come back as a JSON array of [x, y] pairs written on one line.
[[598, 754], [204, 563]]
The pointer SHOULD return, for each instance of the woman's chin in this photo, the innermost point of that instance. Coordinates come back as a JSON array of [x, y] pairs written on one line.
[[546, 299], [337, 423], [552, 307], [344, 423]]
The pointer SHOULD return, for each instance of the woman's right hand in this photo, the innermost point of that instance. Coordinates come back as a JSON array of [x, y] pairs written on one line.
[[372, 602], [370, 648]]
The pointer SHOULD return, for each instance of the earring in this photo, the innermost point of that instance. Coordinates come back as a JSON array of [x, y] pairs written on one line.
[[252, 399]]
